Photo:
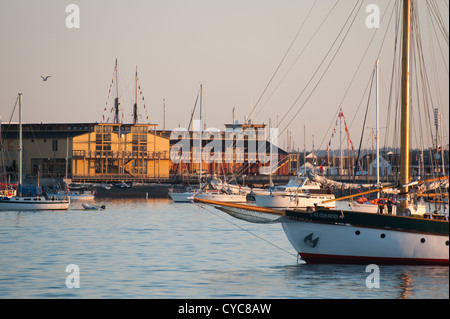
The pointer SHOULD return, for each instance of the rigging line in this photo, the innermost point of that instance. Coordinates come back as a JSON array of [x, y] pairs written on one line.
[[364, 124], [281, 62], [9, 124], [378, 55], [393, 73], [434, 67], [426, 90], [440, 48], [298, 56], [359, 65], [323, 60], [246, 230], [435, 12], [326, 69], [193, 110]]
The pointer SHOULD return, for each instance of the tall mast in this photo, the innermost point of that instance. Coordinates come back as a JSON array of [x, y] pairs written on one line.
[[405, 106], [116, 100], [201, 142], [377, 126], [135, 115], [341, 167], [20, 145]]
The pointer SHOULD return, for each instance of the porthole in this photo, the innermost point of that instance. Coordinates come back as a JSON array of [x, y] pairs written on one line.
[[446, 243], [382, 235], [357, 232], [422, 240]]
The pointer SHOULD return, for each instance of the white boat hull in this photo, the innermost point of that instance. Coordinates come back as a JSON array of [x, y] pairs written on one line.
[[185, 197], [299, 202], [81, 196], [342, 243], [363, 208], [33, 203], [227, 198]]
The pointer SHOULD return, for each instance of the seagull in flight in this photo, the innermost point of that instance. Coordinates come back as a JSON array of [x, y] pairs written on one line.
[[45, 78]]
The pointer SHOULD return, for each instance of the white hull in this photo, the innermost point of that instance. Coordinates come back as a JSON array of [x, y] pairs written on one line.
[[363, 208], [334, 243], [185, 197], [302, 202], [33, 203], [227, 198], [81, 196]]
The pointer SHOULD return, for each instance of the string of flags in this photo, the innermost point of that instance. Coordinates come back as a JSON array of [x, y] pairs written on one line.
[[107, 113], [340, 116], [142, 97]]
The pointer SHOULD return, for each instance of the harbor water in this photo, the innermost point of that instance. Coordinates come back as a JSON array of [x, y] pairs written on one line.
[[156, 248]]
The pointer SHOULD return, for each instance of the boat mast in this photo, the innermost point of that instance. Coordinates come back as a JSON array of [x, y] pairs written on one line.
[[201, 140], [377, 127], [116, 100], [135, 116], [20, 146], [341, 167], [405, 106]]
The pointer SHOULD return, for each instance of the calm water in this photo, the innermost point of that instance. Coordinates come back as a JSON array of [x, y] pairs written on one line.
[[159, 249]]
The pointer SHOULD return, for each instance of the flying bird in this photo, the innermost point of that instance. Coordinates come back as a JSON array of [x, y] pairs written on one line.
[[45, 78]]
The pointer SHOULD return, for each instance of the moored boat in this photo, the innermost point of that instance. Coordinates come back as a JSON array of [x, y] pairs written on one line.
[[38, 202]]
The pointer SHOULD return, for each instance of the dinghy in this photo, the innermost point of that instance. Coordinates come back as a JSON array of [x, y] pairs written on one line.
[[92, 207]]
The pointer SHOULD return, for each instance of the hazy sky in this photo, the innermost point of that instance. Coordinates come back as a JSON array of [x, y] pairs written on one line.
[[232, 47]]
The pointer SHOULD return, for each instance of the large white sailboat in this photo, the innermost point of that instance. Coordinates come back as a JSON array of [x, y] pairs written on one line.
[[357, 237], [38, 202], [332, 236]]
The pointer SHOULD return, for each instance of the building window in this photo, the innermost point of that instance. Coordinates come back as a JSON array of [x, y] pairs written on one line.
[[54, 145]]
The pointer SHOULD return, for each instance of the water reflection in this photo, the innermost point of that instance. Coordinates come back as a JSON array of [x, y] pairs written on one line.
[[406, 286], [155, 248]]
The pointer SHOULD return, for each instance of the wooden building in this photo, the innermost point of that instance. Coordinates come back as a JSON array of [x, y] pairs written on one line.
[[89, 152]]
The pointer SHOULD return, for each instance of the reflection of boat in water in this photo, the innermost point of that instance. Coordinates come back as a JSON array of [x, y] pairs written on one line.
[[93, 207]]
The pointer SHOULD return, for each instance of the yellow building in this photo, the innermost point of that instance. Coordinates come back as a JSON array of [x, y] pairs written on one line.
[[94, 152], [121, 152]]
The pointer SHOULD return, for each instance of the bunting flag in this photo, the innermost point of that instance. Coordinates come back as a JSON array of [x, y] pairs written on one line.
[[341, 115], [109, 100]]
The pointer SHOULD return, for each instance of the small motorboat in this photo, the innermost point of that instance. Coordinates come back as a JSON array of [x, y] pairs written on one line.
[[92, 207]]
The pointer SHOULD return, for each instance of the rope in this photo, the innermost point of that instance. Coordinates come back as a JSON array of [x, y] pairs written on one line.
[[246, 230], [281, 62]]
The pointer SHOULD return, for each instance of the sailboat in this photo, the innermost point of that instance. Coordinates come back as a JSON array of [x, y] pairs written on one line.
[[188, 195], [300, 193], [356, 237], [202, 192], [39, 202]]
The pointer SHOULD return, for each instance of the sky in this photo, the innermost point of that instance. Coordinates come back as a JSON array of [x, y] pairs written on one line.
[[233, 48]]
